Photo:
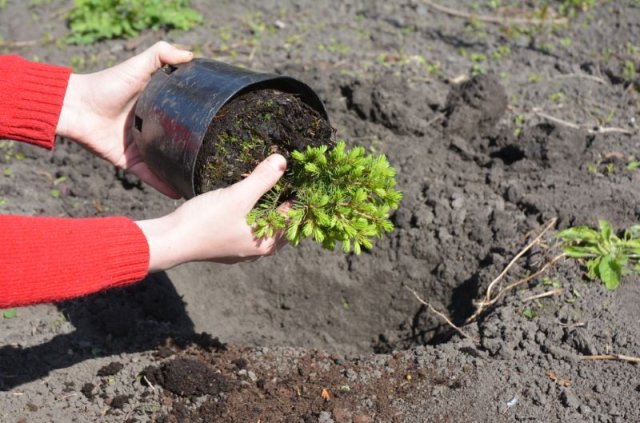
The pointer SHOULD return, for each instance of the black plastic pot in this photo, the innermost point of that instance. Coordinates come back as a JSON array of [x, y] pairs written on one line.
[[176, 108]]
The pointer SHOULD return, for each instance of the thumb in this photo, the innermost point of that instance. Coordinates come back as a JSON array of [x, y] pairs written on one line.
[[261, 180], [162, 53]]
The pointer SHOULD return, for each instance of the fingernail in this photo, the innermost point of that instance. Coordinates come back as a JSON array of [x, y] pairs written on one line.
[[277, 162]]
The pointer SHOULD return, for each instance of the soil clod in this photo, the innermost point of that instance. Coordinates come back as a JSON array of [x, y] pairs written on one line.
[[110, 369], [187, 377]]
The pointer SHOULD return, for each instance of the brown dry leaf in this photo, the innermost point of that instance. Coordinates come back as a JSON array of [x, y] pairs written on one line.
[[560, 381]]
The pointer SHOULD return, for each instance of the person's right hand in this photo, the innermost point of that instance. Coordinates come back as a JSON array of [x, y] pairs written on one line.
[[97, 111], [213, 226]]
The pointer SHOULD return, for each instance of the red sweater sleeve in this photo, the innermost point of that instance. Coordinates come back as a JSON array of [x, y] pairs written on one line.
[[46, 259], [31, 96], [51, 259]]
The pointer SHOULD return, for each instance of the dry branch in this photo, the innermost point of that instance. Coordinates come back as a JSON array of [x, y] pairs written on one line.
[[598, 130], [14, 44], [443, 317], [489, 300], [558, 291], [549, 225], [611, 357], [581, 75], [501, 20]]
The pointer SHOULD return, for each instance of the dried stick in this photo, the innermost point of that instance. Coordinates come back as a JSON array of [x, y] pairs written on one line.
[[502, 20], [482, 305], [551, 293], [599, 130], [580, 75], [438, 117], [443, 317], [487, 297], [18, 43], [611, 357], [527, 279], [150, 384]]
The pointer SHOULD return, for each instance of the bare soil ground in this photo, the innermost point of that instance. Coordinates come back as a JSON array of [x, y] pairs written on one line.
[[545, 131]]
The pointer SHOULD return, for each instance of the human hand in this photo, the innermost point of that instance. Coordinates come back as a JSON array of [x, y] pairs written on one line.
[[213, 226], [97, 109]]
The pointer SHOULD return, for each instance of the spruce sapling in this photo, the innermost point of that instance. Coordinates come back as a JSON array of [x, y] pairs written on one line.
[[337, 195]]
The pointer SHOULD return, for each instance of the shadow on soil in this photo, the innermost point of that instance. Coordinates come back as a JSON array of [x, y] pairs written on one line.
[[133, 319]]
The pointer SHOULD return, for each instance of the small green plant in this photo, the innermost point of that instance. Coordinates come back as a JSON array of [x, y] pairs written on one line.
[[9, 313], [518, 121], [607, 256], [339, 195], [555, 283], [611, 168], [95, 20], [529, 313], [502, 51], [572, 7], [566, 42], [629, 72], [557, 97], [535, 78], [633, 165]]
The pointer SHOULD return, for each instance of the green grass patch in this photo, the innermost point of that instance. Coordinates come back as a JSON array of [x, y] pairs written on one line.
[[94, 20]]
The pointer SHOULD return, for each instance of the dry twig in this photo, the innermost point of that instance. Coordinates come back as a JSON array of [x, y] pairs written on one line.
[[489, 300], [549, 225], [13, 44], [581, 75], [443, 317], [598, 130], [611, 357], [150, 384], [501, 20], [551, 293]]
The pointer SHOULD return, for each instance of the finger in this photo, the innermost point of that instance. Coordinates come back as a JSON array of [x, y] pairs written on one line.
[[162, 53], [142, 171], [282, 241], [285, 207], [261, 180], [170, 54]]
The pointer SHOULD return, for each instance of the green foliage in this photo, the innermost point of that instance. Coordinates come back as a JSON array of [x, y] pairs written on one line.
[[571, 7], [9, 313], [633, 165], [629, 72], [339, 195], [95, 20], [607, 256], [529, 313]]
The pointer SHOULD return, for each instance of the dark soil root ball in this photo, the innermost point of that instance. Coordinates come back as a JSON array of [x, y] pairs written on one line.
[[251, 127], [475, 106], [187, 377]]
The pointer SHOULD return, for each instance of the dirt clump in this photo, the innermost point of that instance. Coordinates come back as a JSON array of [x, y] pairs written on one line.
[[186, 376], [475, 106], [110, 369]]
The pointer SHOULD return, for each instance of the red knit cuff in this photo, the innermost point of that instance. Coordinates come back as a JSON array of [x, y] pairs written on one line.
[[31, 100], [51, 259]]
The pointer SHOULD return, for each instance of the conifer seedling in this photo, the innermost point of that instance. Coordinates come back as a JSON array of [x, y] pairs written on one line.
[[338, 196]]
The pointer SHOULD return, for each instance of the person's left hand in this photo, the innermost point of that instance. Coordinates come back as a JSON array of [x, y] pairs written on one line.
[[97, 109]]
